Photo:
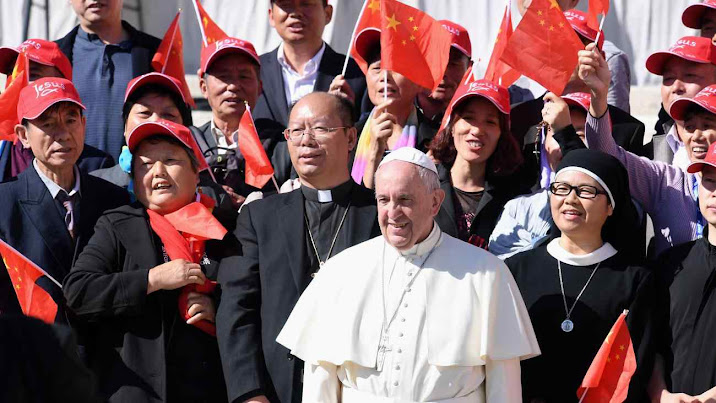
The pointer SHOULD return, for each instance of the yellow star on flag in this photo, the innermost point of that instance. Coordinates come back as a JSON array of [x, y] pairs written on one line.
[[621, 347], [393, 23], [551, 27], [554, 4], [374, 6], [206, 22], [404, 42], [541, 22], [561, 25], [608, 336], [412, 38], [411, 19], [609, 359], [617, 357], [415, 27], [539, 12]]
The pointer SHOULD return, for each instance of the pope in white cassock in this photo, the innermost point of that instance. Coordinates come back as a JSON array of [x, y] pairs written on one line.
[[413, 315]]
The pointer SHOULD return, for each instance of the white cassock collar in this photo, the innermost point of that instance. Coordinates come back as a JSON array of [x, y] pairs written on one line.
[[558, 252], [421, 248]]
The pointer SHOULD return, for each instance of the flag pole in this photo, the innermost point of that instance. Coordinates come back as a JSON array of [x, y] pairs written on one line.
[[474, 69], [385, 86], [171, 43], [273, 178], [350, 45], [201, 25], [583, 395], [599, 33]]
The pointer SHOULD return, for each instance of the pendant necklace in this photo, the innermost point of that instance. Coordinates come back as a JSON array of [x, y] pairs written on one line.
[[567, 324], [333, 243]]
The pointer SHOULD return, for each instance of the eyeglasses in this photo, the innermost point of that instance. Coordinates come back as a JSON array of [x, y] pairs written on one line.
[[582, 191], [318, 133]]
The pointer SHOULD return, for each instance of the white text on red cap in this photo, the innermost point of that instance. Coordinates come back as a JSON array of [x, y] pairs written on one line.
[[224, 43], [452, 30], [682, 43], [483, 85], [45, 89], [23, 47]]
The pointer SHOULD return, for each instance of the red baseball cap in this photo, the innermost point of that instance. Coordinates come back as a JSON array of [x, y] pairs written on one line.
[[42, 94], [692, 48], [581, 99], [163, 127], [227, 45], [497, 94], [693, 13], [705, 99], [366, 40], [460, 37], [164, 80], [710, 160], [39, 51], [578, 20]]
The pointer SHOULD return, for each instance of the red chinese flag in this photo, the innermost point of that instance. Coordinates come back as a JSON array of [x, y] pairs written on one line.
[[608, 377], [258, 167], [169, 57], [596, 7], [544, 46], [209, 30], [369, 18], [497, 71], [9, 98], [413, 44], [34, 300]]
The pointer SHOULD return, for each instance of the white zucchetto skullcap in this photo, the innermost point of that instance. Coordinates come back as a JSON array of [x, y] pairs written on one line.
[[411, 155]]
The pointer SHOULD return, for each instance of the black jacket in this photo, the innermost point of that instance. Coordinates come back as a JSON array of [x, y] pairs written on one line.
[[260, 289], [31, 223], [272, 103], [131, 334]]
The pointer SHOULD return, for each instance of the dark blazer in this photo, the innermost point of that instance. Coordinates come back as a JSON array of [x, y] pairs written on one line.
[[90, 160], [496, 194], [143, 48], [32, 224], [260, 288], [272, 103], [127, 347]]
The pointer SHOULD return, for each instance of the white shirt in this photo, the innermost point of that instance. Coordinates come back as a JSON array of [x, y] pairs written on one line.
[[221, 140], [681, 157], [298, 85], [54, 188]]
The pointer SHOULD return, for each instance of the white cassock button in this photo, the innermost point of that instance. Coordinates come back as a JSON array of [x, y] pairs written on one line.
[[402, 319], [395, 383], [400, 350], [405, 305], [397, 367]]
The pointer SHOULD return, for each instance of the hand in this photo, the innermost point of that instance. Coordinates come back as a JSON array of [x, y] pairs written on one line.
[[708, 396], [236, 199], [201, 307], [667, 397], [594, 70], [173, 275], [382, 125], [290, 185], [556, 112], [339, 86], [258, 399]]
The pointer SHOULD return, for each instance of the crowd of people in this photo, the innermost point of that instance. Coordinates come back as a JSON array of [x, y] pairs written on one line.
[[469, 243]]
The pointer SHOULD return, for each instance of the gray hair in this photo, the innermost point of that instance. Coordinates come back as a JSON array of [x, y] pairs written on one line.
[[430, 179]]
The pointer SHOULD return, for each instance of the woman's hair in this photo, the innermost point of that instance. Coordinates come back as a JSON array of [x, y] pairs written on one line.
[[157, 138], [504, 161], [161, 90]]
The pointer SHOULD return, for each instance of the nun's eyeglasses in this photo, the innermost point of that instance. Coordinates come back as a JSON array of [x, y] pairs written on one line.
[[582, 191]]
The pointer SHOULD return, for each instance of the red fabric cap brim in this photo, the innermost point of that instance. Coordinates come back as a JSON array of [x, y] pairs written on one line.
[[655, 63], [691, 17]]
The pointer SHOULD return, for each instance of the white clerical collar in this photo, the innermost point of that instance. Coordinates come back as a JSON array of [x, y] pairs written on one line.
[[558, 252], [421, 248]]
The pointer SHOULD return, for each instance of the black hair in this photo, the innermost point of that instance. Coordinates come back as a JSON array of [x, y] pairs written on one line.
[[325, 2], [344, 112], [171, 140], [184, 109]]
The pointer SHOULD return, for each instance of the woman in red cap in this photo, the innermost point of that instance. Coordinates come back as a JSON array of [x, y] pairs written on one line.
[[144, 283], [477, 153]]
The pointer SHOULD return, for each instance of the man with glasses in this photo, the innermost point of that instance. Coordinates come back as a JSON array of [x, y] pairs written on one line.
[[286, 239]]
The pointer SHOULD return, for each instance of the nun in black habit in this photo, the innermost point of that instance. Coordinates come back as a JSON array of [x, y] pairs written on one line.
[[576, 286]]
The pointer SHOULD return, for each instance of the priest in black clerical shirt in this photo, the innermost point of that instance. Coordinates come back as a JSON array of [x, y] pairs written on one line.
[[284, 240]]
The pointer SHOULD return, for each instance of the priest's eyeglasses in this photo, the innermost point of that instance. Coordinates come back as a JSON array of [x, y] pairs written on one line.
[[582, 191], [318, 133]]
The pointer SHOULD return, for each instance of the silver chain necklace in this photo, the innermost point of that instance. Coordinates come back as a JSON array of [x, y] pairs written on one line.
[[333, 243], [567, 324]]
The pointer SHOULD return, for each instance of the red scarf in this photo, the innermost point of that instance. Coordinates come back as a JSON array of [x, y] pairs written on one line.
[[184, 234]]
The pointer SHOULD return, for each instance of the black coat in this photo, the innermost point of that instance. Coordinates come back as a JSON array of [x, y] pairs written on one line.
[[129, 330], [31, 223], [260, 289], [493, 200], [272, 103]]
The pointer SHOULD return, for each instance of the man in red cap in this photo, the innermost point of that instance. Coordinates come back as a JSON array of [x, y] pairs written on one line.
[[230, 79], [432, 105], [50, 209], [45, 60], [303, 62], [111, 52], [701, 16], [686, 68]]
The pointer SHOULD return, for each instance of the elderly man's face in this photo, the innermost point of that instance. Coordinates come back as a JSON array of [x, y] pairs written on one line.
[[150, 108], [229, 81], [682, 78], [405, 206], [320, 157], [38, 71], [56, 137]]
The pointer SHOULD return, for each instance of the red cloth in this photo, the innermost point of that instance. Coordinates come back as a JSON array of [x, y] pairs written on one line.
[[497, 71], [169, 57], [258, 167], [197, 225], [34, 300], [544, 46], [607, 379], [413, 44], [597, 7], [210, 30], [10, 97], [369, 18]]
